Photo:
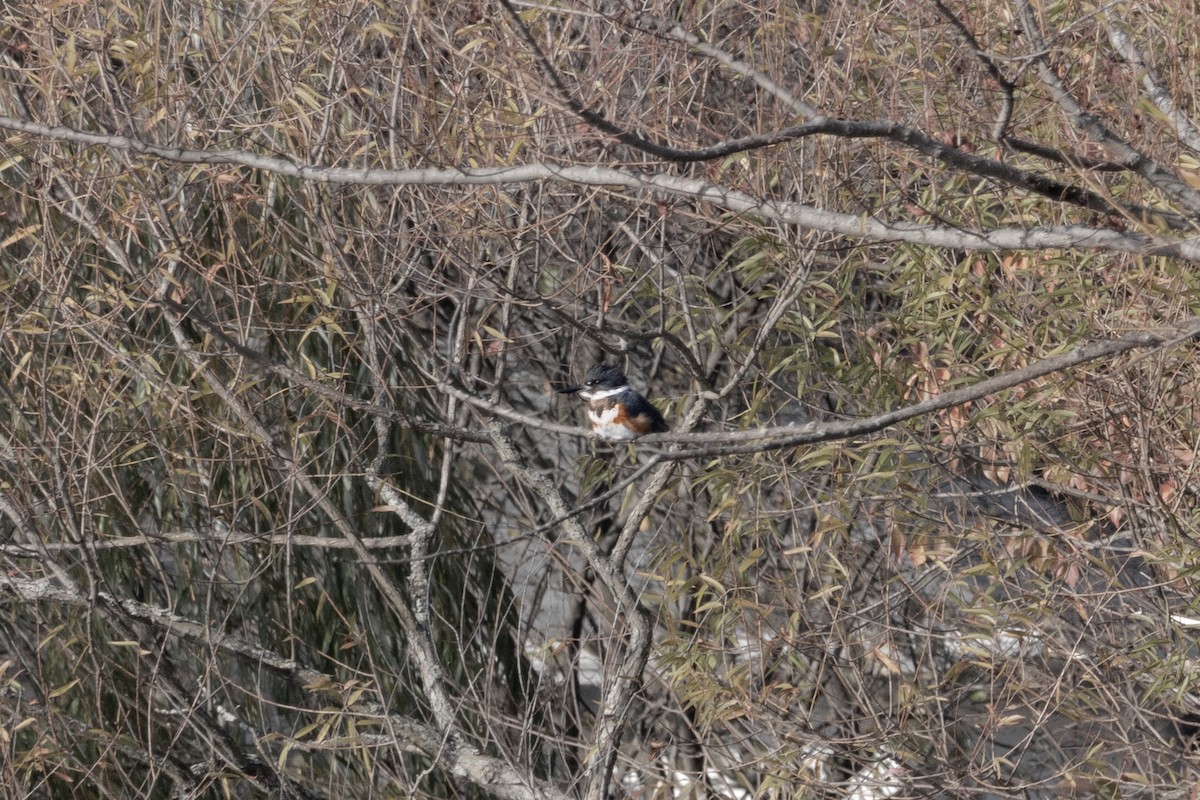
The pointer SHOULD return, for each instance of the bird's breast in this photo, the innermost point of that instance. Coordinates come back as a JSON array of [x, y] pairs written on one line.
[[610, 421]]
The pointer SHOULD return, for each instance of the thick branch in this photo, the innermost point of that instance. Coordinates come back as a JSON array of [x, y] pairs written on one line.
[[762, 439], [1051, 237]]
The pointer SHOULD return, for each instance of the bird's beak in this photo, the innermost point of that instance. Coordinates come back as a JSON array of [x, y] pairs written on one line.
[[570, 389]]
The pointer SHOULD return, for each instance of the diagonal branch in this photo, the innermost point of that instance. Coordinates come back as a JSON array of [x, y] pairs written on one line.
[[617, 701], [753, 441], [1008, 103], [1092, 126], [676, 32], [1185, 129]]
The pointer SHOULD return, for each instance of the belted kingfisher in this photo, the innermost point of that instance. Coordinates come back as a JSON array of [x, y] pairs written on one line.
[[616, 411]]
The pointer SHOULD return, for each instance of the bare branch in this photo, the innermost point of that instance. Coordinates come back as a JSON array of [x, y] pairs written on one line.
[[1050, 237], [1155, 90], [1007, 87], [676, 32], [626, 679], [822, 432], [223, 537], [419, 637], [1135, 160], [848, 129]]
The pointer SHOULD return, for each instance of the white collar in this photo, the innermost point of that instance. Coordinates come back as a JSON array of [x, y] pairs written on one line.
[[603, 394]]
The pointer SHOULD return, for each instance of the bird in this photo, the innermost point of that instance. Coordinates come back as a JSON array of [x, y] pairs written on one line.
[[616, 411]]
